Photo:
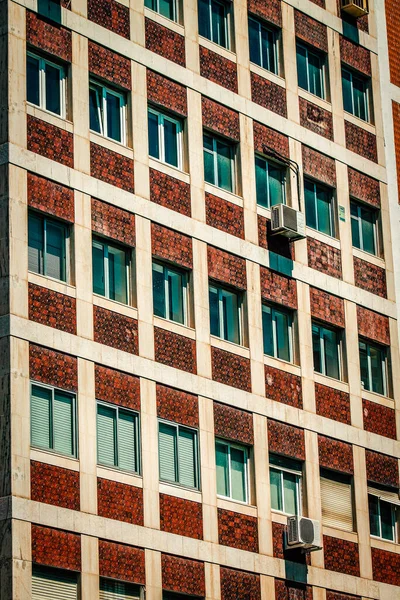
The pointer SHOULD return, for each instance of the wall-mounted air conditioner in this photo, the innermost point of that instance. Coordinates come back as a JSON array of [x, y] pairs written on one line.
[[303, 533], [288, 222], [355, 8]]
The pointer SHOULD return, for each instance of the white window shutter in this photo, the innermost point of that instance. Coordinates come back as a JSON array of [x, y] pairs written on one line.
[[336, 501], [49, 584]]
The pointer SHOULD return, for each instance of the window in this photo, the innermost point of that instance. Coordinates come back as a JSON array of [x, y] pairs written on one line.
[[45, 84], [117, 437], [263, 42], [364, 227], [178, 454], [110, 589], [319, 213], [373, 366], [47, 247], [107, 109], [166, 8], [165, 138], [270, 183], [213, 21], [355, 94], [310, 70], [170, 293], [53, 583], [53, 420], [277, 332], [219, 163], [110, 271], [383, 512], [232, 471], [225, 314], [336, 500], [326, 350], [285, 478]]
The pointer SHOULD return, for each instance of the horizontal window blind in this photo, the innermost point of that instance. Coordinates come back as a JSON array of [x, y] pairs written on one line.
[[118, 590], [391, 496], [336, 501], [167, 450], [40, 416], [51, 584]]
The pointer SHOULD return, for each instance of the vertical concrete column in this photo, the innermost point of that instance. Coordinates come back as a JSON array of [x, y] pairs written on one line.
[[353, 363], [191, 22], [305, 346], [87, 436], [318, 593], [312, 487], [344, 227], [331, 6], [242, 47], [213, 581], [267, 587], [248, 179], [20, 418], [80, 105], [139, 130], [208, 470], [201, 314], [290, 64], [387, 242], [136, 11], [83, 265], [254, 319], [261, 477], [144, 289], [153, 575], [297, 194], [362, 511], [335, 75], [18, 232], [395, 360], [79, 7], [16, 75], [149, 427], [21, 562], [89, 578], [195, 155], [377, 108]]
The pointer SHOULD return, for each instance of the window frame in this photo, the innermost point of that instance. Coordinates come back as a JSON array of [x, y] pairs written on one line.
[[65, 228], [102, 111], [185, 291], [117, 409], [42, 84], [220, 289], [227, 11], [161, 116], [321, 56], [102, 242], [246, 450], [214, 153], [362, 206], [332, 219], [178, 427], [366, 82], [275, 44], [394, 518], [338, 333], [289, 314], [175, 10], [283, 169], [74, 432], [384, 365], [299, 495]]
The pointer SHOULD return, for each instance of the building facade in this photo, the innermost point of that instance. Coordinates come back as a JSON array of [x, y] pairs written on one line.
[[176, 378]]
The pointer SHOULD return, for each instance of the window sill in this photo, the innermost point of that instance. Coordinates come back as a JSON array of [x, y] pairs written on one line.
[[264, 212], [360, 123], [371, 258], [231, 347], [158, 165], [235, 505], [277, 79], [224, 194], [320, 102], [52, 284], [377, 398], [49, 117], [52, 458], [112, 145], [115, 306], [174, 327], [214, 47], [349, 536], [390, 546], [331, 382], [164, 21], [120, 475], [323, 237], [277, 516], [179, 491], [282, 365]]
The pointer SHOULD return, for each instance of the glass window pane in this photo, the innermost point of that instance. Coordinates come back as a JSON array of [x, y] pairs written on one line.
[[347, 92], [117, 275], [360, 98], [55, 251], [127, 441], [373, 503], [218, 17], [152, 4], [98, 269], [368, 230], [276, 489], [175, 291], [40, 416], [317, 349], [230, 309], [114, 124], [387, 520], [355, 228], [214, 311], [159, 303], [106, 435], [187, 457], [324, 211], [222, 458], [171, 142], [364, 366], [302, 67], [268, 50], [238, 474], [310, 201], [63, 429], [262, 182], [282, 335], [377, 372], [254, 42], [154, 146], [95, 109], [331, 354], [204, 19], [290, 493], [53, 89], [224, 166], [275, 185], [267, 330], [35, 244], [32, 80], [167, 452], [315, 74], [166, 8]]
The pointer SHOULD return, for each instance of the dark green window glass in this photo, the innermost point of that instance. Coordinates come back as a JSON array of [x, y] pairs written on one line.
[[326, 351], [364, 227], [224, 314], [263, 46], [310, 71], [277, 333], [355, 94], [318, 201], [218, 162], [169, 293], [270, 183], [373, 359]]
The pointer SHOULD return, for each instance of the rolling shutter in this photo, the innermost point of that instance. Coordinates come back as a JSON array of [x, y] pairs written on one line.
[[55, 251], [336, 501], [40, 416], [167, 452], [52, 584], [391, 496], [106, 435], [35, 244], [126, 441], [63, 424], [118, 590], [187, 457]]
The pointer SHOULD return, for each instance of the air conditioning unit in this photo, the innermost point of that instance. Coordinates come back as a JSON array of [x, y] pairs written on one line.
[[355, 8], [303, 533], [288, 222]]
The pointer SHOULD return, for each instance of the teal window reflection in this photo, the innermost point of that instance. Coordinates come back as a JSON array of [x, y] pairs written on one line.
[[277, 332], [319, 210], [170, 293], [326, 351], [47, 247], [219, 162], [270, 183], [165, 138], [107, 112], [373, 365], [382, 515], [355, 94], [45, 84], [364, 227], [225, 317], [166, 8], [232, 476], [110, 266], [213, 21], [285, 484], [310, 70], [263, 42]]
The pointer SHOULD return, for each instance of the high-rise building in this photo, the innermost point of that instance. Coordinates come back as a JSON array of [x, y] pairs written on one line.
[[199, 258]]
